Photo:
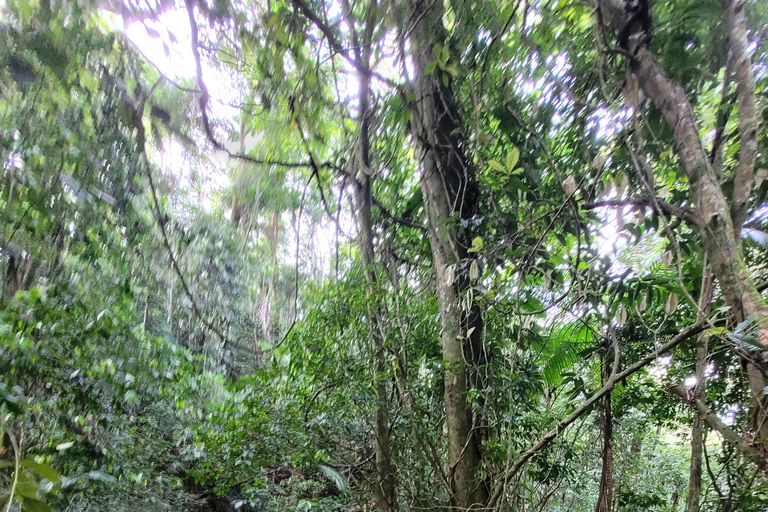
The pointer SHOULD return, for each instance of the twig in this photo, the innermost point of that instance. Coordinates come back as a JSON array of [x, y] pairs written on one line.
[[336, 46], [658, 206], [17, 468]]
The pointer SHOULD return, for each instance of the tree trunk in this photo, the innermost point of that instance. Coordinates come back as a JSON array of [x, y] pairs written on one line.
[[699, 393], [450, 195], [605, 496], [697, 435], [385, 488], [386, 496]]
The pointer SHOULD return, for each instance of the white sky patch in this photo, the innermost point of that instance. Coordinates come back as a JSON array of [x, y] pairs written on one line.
[[605, 124], [168, 49], [659, 369], [166, 44]]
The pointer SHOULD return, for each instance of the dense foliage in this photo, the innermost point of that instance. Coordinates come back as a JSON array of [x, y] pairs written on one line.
[[349, 255]]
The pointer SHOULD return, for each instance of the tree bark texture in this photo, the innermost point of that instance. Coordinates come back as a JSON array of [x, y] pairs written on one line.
[[450, 195]]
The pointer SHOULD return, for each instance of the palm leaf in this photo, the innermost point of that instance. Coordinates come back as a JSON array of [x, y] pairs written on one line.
[[563, 350]]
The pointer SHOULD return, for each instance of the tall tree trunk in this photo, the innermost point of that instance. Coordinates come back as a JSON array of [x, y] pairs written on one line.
[[385, 489], [450, 195], [605, 496]]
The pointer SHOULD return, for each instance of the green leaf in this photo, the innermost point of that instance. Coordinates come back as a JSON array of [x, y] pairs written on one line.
[[334, 476], [50, 55], [33, 505], [518, 184], [41, 469], [413, 204], [512, 157], [495, 164], [101, 477], [26, 487], [445, 55], [64, 446], [477, 244]]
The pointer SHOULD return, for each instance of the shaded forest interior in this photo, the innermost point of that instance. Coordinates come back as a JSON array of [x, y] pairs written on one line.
[[393, 255]]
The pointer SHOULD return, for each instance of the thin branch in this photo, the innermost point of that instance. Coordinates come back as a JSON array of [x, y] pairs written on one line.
[[724, 109], [296, 277], [717, 424], [161, 222], [311, 163], [378, 204], [16, 471], [550, 436], [338, 48], [204, 94], [165, 77], [205, 98], [663, 207], [315, 171]]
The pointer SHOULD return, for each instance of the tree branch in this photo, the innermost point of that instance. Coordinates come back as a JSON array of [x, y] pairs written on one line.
[[311, 164], [664, 207], [161, 222], [714, 421], [204, 94], [550, 436], [336, 46], [748, 119], [716, 225]]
